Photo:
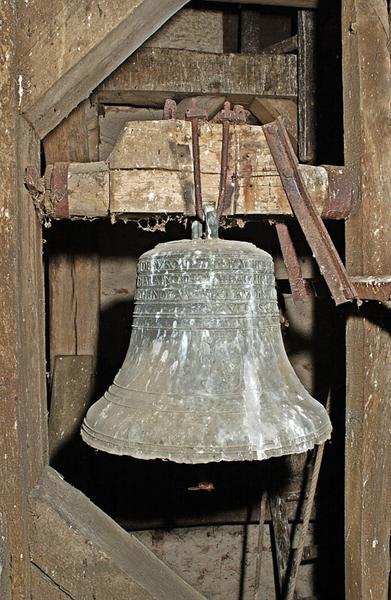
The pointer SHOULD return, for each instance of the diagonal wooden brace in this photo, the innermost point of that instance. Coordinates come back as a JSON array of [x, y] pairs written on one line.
[[317, 236]]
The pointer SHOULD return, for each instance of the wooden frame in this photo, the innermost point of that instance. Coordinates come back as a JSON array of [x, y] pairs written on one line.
[[45, 97]]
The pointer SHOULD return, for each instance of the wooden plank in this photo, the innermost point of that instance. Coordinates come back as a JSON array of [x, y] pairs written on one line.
[[268, 109], [306, 80], [74, 296], [70, 397], [74, 266], [161, 73], [287, 3], [22, 386], [80, 44], [90, 556], [367, 96], [191, 29]]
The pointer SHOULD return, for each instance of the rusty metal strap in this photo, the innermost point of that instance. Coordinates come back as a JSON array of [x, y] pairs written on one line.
[[300, 288], [317, 236]]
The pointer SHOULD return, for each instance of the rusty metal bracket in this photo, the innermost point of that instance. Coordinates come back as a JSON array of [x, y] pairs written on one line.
[[226, 116], [300, 288], [169, 109], [318, 238], [194, 114]]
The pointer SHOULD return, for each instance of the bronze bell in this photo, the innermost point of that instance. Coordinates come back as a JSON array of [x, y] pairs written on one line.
[[206, 377]]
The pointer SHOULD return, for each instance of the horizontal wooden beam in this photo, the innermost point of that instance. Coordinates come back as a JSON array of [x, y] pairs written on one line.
[[68, 48], [151, 75], [287, 3], [150, 171], [87, 555]]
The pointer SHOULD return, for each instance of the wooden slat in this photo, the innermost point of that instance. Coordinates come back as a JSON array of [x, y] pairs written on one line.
[[70, 397], [79, 44], [90, 556], [367, 96], [153, 74]]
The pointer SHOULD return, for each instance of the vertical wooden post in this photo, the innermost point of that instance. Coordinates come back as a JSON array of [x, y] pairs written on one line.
[[23, 444], [306, 81], [367, 95]]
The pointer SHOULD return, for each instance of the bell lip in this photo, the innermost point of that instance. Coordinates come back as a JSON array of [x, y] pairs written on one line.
[[182, 455]]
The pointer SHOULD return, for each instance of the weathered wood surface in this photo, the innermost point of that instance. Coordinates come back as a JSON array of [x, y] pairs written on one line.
[[153, 74], [5, 562], [367, 95], [22, 384], [90, 556], [157, 177], [268, 109], [74, 267], [113, 120], [281, 538], [306, 81], [191, 29], [70, 397], [43, 588], [76, 138], [68, 48], [288, 3]]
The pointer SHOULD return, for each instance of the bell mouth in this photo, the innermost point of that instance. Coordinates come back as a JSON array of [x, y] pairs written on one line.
[[187, 454]]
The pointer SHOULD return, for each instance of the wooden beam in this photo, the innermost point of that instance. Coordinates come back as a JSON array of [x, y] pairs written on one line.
[[74, 266], [79, 44], [90, 556], [151, 171], [5, 562], [287, 3], [367, 97], [70, 398], [23, 432], [306, 80], [153, 74], [267, 110]]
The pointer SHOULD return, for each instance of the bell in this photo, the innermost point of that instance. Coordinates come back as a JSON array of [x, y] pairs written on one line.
[[206, 377]]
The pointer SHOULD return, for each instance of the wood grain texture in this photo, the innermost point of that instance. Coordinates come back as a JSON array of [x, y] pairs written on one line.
[[113, 120], [22, 384], [191, 29], [79, 44], [367, 95], [74, 269], [90, 556], [269, 109], [151, 171], [70, 397], [161, 73], [43, 588], [288, 3], [306, 80]]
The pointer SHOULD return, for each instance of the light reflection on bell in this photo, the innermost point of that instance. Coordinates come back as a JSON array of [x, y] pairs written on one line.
[[206, 377]]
